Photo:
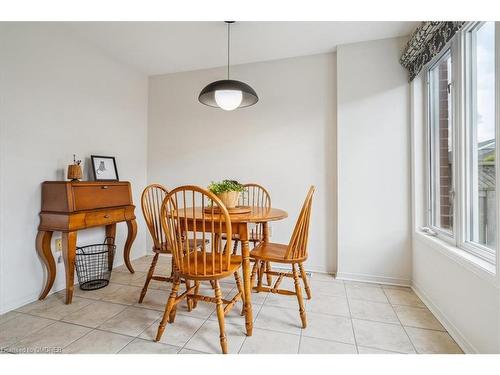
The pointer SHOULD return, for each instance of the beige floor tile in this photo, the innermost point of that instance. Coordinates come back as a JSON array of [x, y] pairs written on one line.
[[132, 321], [366, 293], [380, 312], [98, 342], [417, 317], [189, 351], [279, 319], [126, 277], [310, 345], [140, 346], [330, 305], [284, 301], [21, 326], [330, 288], [206, 339], [96, 294], [431, 342], [234, 316], [155, 299], [403, 297], [176, 334], [329, 327], [8, 316], [54, 307], [51, 339], [259, 298], [94, 314], [270, 342], [382, 336], [202, 311], [366, 350], [126, 295]]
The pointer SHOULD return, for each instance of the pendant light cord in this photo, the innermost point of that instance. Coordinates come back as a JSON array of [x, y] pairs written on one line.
[[228, 46]]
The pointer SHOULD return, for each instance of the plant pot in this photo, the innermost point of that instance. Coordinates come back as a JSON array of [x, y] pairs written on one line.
[[229, 198]]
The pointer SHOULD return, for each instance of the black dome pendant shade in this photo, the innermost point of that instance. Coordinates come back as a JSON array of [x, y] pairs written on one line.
[[207, 95], [228, 94]]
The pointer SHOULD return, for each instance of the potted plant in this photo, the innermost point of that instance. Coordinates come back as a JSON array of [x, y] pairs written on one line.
[[228, 191]]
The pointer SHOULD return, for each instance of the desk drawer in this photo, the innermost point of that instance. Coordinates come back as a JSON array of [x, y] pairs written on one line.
[[90, 197], [104, 217]]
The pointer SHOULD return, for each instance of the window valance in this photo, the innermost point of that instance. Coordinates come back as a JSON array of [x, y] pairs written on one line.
[[425, 43]]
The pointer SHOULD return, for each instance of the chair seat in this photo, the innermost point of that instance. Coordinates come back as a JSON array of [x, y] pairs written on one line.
[[198, 274], [166, 249], [273, 252]]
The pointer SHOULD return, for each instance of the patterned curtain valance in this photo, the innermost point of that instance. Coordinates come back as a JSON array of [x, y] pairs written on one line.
[[425, 43]]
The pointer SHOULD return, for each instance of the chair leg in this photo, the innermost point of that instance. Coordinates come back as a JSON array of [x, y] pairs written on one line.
[[254, 272], [305, 280], [168, 309], [189, 301], [212, 283], [172, 265], [196, 289], [298, 293], [220, 317], [261, 273], [235, 247], [148, 277], [269, 277], [240, 290]]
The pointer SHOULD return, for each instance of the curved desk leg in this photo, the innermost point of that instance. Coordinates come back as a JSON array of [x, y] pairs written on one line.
[[132, 232], [69, 252], [247, 303], [111, 232], [43, 248], [265, 235]]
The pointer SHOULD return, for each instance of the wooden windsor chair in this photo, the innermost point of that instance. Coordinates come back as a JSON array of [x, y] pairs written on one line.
[[254, 195], [295, 254], [151, 201], [191, 214]]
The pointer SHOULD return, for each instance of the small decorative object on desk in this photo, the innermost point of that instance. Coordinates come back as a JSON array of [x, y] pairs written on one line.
[[75, 170], [228, 192], [104, 168]]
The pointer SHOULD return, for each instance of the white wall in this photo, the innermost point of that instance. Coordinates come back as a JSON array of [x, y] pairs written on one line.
[[59, 96], [373, 156], [463, 296], [285, 142]]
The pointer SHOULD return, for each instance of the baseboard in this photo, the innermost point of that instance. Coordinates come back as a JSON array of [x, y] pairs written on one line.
[[373, 279], [454, 332]]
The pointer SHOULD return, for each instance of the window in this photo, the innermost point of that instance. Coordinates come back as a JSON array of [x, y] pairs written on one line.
[[462, 114], [481, 220], [441, 146]]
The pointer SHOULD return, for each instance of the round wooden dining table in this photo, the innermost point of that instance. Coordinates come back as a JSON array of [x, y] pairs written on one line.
[[239, 226]]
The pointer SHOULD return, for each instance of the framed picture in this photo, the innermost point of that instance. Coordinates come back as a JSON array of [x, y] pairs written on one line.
[[104, 168]]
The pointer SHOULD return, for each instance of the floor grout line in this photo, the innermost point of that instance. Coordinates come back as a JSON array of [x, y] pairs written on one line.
[[352, 324]]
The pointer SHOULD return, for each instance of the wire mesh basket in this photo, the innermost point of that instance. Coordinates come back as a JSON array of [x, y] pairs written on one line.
[[94, 264]]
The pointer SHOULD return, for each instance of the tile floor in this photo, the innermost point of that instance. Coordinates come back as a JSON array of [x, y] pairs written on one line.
[[343, 317]]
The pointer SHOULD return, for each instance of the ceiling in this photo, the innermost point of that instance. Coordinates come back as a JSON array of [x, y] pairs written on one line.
[[166, 47]]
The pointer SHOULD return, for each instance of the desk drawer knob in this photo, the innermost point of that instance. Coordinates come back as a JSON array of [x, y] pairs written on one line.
[[104, 187], [106, 216]]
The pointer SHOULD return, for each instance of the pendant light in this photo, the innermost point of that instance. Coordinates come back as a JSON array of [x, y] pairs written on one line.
[[228, 94]]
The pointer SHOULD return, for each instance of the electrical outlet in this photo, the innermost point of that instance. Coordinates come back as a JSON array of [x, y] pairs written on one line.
[[58, 245]]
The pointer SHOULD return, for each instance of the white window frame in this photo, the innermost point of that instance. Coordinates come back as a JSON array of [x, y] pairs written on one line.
[[468, 129], [437, 231], [461, 121]]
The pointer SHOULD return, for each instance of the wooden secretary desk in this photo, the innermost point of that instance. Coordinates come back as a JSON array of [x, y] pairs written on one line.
[[71, 206]]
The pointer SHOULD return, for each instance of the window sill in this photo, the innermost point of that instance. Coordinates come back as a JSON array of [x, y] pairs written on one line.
[[475, 264]]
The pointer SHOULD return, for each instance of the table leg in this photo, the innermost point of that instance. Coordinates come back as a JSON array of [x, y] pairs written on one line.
[[69, 252], [43, 248], [111, 232], [132, 232], [245, 252]]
